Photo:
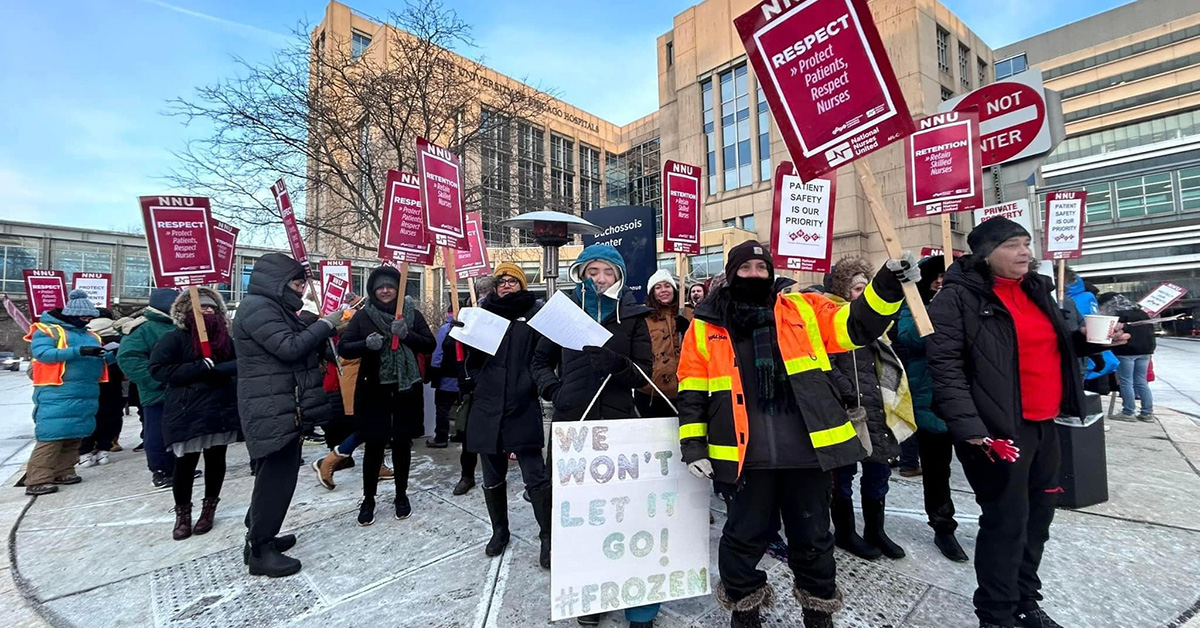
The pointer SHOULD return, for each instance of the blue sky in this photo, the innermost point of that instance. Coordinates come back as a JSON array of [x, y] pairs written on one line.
[[85, 81]]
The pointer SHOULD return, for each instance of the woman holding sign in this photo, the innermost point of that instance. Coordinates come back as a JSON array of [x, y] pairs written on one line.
[[1005, 365], [758, 415], [388, 400], [571, 379], [505, 414]]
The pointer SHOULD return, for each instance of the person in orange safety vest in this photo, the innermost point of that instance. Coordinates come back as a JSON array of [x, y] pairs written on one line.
[[757, 415]]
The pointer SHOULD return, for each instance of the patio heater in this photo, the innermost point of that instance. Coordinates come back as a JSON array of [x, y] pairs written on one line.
[[551, 230]]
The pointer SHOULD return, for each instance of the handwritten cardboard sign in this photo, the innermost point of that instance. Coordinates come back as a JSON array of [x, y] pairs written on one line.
[[631, 519]]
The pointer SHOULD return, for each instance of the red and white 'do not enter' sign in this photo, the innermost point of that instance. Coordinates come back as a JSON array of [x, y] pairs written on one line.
[[1012, 117]]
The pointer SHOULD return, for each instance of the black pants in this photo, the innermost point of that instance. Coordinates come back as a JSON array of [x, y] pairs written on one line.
[[108, 428], [340, 426], [937, 450], [533, 469], [468, 460], [185, 470], [396, 409], [652, 406], [443, 402], [1017, 501], [800, 497], [274, 485]]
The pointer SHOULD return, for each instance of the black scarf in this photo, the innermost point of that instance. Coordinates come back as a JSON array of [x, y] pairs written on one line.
[[510, 306]]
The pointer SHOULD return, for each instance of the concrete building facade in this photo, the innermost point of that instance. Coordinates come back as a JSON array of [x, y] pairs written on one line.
[[1130, 85]]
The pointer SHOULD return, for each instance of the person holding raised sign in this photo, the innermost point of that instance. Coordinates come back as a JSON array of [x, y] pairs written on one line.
[[759, 417]]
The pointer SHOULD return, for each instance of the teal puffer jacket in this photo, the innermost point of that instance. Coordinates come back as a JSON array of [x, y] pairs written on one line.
[[68, 411], [910, 346]]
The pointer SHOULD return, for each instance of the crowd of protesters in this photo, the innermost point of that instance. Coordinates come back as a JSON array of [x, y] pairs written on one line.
[[783, 398]]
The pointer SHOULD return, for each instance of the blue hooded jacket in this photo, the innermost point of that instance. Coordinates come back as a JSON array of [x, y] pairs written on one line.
[[1102, 364], [68, 411], [598, 306], [447, 383]]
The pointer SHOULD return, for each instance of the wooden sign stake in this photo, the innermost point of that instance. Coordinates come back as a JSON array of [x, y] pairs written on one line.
[[400, 299], [680, 268], [452, 279], [1062, 279], [947, 241], [891, 242], [201, 330]]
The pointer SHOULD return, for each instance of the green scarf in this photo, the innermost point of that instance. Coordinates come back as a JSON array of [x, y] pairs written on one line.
[[400, 366], [759, 322]]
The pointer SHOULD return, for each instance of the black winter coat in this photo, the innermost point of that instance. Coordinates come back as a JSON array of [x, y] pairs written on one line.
[[373, 407], [506, 414], [1141, 337], [278, 358], [199, 401], [973, 353], [867, 394], [568, 374]]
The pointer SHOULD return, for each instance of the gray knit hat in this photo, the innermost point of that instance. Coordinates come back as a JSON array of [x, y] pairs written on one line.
[[79, 305]]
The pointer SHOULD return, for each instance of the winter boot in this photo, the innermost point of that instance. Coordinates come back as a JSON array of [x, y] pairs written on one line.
[[818, 612], [183, 521], [366, 511], [386, 472], [283, 543], [873, 529], [325, 467], [496, 498], [344, 463], [265, 560], [948, 544], [1035, 618], [746, 610], [464, 484], [540, 497], [844, 533], [208, 512]]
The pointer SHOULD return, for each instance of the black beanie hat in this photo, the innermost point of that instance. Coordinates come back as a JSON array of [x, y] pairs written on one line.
[[988, 235], [745, 252]]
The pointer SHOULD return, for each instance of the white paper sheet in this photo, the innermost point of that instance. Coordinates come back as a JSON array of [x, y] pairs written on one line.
[[481, 329], [567, 326]]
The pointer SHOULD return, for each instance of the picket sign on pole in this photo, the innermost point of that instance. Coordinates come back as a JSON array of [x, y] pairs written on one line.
[[1062, 277], [947, 241], [471, 291], [680, 267], [205, 348], [891, 243], [400, 290], [452, 278]]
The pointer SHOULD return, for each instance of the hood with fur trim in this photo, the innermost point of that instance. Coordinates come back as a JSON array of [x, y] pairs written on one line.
[[182, 307], [841, 277]]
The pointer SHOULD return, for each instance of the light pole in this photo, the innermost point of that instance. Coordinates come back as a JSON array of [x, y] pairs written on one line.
[[551, 230]]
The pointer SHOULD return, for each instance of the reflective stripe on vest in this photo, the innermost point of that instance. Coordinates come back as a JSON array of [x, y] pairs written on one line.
[[701, 337], [877, 303], [727, 453], [693, 430], [795, 358], [833, 435], [51, 373]]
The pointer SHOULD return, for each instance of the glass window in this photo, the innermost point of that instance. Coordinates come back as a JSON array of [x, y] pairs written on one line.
[[1145, 196], [943, 49], [748, 222], [947, 94], [710, 142], [983, 71], [19, 254], [666, 262], [531, 172], [729, 222], [495, 153], [358, 44], [735, 128], [710, 262], [1099, 203], [1010, 66], [616, 178], [764, 138], [589, 177], [1189, 188], [137, 280], [670, 53], [80, 257], [1170, 127], [562, 173], [964, 67]]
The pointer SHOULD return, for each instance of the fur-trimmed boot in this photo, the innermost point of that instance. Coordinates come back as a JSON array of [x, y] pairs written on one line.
[[818, 612], [745, 610]]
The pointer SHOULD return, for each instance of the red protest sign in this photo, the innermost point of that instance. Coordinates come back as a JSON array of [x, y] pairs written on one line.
[[942, 157], [225, 245], [180, 238], [827, 79], [402, 234], [45, 290], [331, 268], [933, 251], [802, 220], [1161, 298], [681, 208], [1064, 224], [473, 262], [335, 293], [295, 241], [97, 285], [441, 194], [1012, 117]]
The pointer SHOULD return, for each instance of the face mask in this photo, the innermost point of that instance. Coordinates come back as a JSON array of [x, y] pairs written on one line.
[[751, 290]]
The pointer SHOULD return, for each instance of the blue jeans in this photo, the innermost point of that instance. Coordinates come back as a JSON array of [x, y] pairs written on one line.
[[874, 484], [158, 457], [1132, 377], [642, 613], [349, 445], [910, 454]]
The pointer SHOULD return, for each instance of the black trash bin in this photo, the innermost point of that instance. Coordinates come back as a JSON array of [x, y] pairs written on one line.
[[1084, 474]]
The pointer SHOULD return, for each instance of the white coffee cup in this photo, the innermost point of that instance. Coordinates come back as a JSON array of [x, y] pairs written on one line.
[[1100, 328]]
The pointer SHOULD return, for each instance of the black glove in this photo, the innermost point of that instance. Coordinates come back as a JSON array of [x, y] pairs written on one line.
[[603, 359], [549, 392], [457, 324], [91, 352], [466, 386]]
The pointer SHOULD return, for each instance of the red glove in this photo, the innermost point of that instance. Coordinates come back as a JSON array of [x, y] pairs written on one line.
[[1002, 449]]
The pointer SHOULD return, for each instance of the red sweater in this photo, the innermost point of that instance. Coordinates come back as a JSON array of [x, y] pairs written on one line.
[[1037, 351]]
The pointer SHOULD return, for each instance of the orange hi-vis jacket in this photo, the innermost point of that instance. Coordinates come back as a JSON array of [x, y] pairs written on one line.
[[51, 373], [713, 421]]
